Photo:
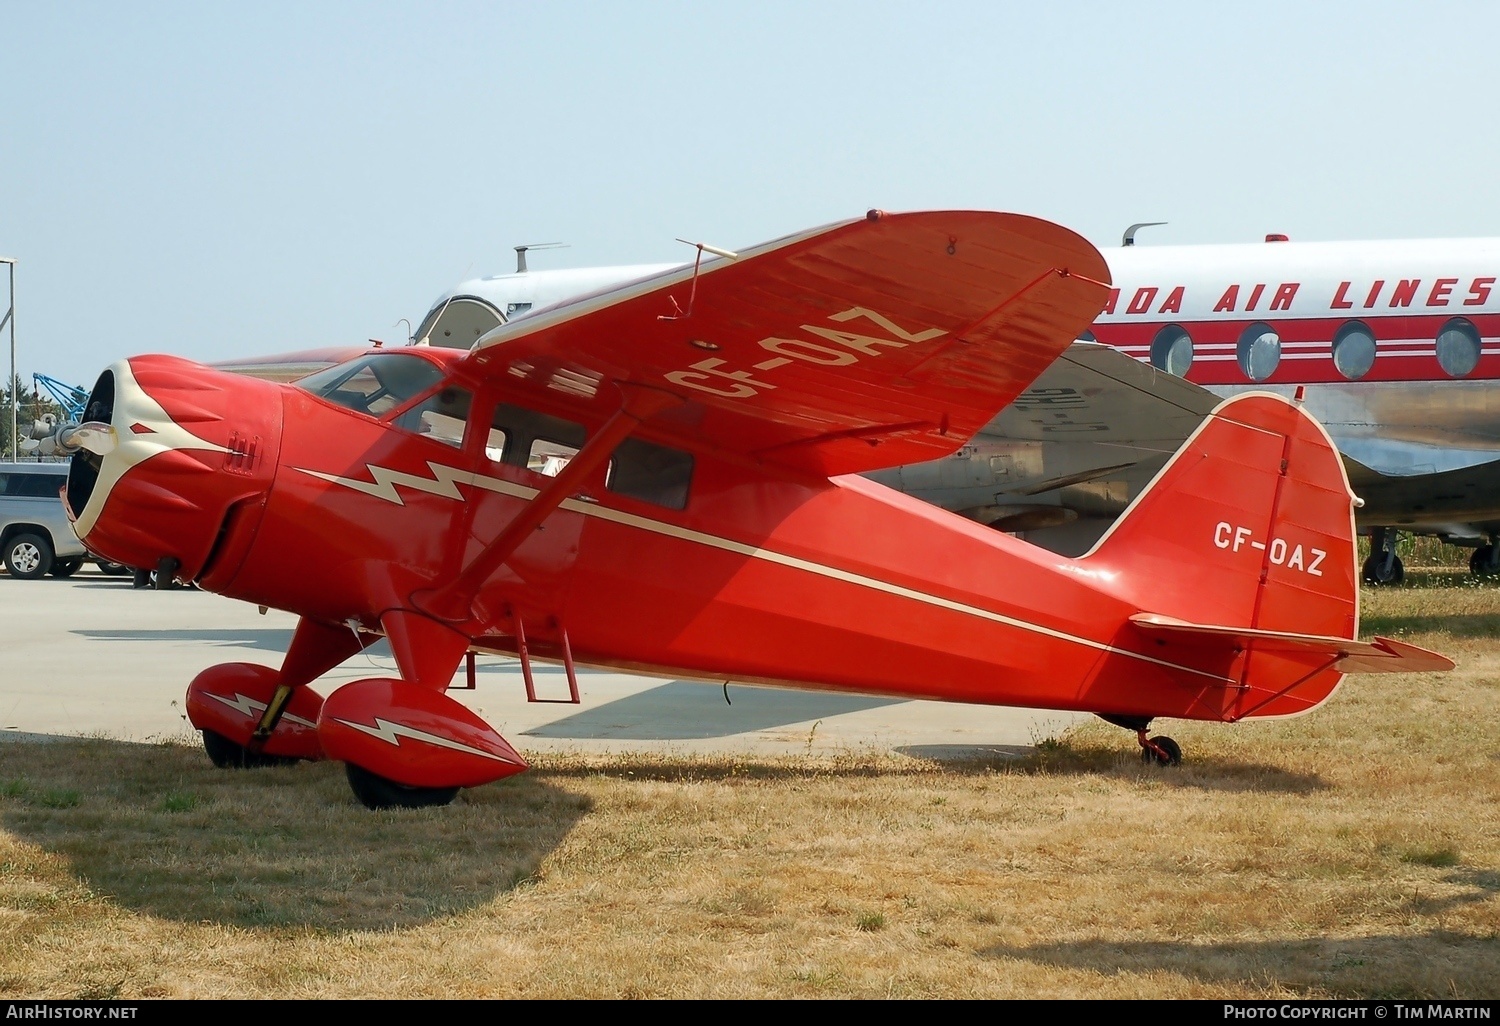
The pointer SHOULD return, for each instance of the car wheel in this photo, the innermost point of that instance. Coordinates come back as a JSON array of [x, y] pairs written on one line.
[[113, 569], [67, 567], [28, 556]]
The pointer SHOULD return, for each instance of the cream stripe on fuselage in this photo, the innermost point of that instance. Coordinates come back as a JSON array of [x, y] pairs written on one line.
[[445, 478]]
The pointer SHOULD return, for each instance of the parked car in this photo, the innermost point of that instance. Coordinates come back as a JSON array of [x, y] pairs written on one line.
[[36, 537]]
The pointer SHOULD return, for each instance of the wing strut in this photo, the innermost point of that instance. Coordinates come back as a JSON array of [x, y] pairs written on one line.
[[452, 601]]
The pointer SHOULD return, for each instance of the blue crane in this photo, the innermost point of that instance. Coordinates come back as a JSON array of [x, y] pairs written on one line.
[[70, 397]]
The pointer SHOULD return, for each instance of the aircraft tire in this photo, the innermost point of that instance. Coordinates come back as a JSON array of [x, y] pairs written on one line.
[[1479, 563], [225, 754], [28, 556], [66, 567], [376, 792], [1172, 748], [1371, 572]]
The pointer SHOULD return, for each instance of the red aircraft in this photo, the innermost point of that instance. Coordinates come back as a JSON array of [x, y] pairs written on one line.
[[663, 478]]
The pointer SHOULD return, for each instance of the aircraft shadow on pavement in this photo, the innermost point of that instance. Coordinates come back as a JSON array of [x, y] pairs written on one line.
[[261, 639], [1337, 967], [161, 831], [684, 710]]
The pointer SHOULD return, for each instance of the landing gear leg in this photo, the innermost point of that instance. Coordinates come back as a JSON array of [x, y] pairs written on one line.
[[253, 715], [225, 754], [1383, 566], [1158, 751], [404, 743], [1485, 562]]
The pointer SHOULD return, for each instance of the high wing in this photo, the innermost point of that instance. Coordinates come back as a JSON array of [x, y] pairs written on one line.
[[870, 343]]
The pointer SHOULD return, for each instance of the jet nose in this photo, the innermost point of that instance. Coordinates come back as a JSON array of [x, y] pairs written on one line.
[[194, 453]]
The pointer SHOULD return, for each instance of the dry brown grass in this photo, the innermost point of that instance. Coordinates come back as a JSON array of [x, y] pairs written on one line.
[[1354, 852]]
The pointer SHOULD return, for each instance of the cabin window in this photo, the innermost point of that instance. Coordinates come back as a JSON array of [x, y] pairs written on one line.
[[441, 416], [1172, 350], [1354, 350], [651, 473], [1458, 347], [494, 446], [374, 384], [548, 458], [1259, 351], [525, 438]]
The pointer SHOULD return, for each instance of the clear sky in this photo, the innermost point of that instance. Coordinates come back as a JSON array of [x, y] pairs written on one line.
[[218, 180]]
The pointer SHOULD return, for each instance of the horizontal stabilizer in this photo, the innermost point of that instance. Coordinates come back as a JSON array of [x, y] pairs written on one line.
[[1379, 656]]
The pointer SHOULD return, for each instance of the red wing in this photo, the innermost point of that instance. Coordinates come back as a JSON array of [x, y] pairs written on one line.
[[872, 343]]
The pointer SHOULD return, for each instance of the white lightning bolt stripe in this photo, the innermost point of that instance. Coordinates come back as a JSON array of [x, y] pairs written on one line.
[[392, 733], [444, 482], [251, 708]]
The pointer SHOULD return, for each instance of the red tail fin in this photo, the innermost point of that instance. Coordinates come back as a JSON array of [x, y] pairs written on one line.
[[1241, 557], [1251, 524]]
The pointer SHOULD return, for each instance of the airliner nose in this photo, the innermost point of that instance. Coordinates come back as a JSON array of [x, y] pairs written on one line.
[[194, 454]]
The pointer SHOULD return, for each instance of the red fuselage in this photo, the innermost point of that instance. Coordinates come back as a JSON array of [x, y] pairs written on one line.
[[761, 576]]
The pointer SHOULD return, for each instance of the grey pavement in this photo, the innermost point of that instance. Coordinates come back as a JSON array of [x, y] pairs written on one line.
[[92, 656]]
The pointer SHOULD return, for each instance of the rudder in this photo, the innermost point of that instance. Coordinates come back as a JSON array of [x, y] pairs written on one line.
[[1249, 525]]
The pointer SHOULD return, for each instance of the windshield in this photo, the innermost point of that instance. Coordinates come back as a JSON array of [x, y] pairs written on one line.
[[374, 383]]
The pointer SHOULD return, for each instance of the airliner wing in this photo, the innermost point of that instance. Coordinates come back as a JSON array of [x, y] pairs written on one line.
[[870, 343], [1097, 395], [289, 366], [1092, 430]]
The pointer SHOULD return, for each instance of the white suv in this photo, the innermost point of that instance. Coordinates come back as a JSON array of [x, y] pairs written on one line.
[[36, 536]]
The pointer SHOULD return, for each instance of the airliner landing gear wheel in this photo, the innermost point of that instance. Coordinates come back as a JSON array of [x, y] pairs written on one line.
[[1375, 571], [1160, 751], [225, 754], [1482, 563], [376, 792]]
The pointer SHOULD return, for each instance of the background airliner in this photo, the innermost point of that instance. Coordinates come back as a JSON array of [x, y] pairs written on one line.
[[1396, 345]]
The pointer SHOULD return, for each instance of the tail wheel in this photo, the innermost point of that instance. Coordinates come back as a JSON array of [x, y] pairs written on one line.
[[376, 792], [225, 754], [1161, 751]]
